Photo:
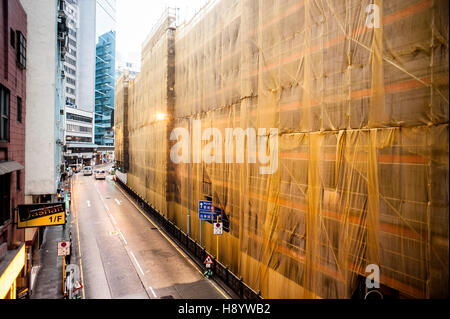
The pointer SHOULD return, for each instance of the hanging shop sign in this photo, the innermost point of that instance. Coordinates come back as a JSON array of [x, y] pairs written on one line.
[[37, 215]]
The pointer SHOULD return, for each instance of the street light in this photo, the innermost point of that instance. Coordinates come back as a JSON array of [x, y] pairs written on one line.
[[161, 116]]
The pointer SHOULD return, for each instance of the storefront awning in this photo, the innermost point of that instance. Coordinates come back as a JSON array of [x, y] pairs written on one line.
[[9, 166]]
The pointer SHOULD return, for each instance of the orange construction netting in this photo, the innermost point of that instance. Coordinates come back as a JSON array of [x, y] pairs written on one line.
[[361, 173]]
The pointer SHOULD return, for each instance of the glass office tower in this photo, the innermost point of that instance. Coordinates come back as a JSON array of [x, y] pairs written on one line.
[[104, 89]]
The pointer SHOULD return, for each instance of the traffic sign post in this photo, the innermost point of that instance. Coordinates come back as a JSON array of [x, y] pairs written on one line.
[[217, 236], [218, 228], [208, 262], [64, 250], [206, 211]]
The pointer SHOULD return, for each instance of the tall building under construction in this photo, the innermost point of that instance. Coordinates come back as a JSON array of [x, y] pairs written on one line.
[[349, 105]]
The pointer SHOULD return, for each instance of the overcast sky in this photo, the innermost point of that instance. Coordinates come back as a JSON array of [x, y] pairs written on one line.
[[135, 19]]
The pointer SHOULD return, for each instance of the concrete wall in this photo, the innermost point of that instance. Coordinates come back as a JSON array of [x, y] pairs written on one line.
[[40, 177]]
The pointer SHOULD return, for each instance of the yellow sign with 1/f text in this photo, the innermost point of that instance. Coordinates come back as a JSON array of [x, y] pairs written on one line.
[[37, 215]]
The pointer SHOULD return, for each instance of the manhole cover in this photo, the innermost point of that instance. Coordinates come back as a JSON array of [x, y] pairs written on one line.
[[167, 297]]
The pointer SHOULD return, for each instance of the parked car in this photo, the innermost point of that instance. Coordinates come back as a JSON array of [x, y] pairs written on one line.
[[100, 174], [87, 171]]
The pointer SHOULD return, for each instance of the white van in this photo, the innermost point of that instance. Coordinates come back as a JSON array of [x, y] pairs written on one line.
[[87, 171], [100, 174]]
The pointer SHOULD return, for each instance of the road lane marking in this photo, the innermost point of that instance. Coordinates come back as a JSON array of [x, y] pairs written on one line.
[[117, 201], [172, 243], [153, 292], [137, 263], [89, 203], [103, 201], [121, 235], [113, 219]]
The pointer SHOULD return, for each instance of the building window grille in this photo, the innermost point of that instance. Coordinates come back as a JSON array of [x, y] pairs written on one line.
[[4, 113], [19, 109], [21, 50]]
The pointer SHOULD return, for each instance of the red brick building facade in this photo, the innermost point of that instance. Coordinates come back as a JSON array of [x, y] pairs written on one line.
[[13, 34]]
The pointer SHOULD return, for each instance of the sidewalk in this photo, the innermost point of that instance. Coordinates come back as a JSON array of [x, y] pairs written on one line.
[[49, 280]]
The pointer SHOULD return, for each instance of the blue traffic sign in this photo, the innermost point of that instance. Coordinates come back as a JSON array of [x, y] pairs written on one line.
[[206, 211]]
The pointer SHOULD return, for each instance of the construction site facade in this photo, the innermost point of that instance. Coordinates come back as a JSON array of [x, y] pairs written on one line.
[[343, 161]]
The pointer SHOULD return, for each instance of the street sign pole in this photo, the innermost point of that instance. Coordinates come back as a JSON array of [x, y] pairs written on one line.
[[64, 275], [64, 250], [217, 242]]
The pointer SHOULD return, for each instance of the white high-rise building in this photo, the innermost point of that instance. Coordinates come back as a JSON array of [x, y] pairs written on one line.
[[47, 47], [79, 68]]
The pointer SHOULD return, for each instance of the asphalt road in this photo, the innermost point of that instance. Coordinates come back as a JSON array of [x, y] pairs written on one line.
[[123, 255]]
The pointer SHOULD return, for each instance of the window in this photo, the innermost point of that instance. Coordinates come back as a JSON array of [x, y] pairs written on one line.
[[70, 81], [4, 113], [79, 118], [19, 110], [79, 139], [71, 61], [69, 70], [72, 43], [5, 181], [12, 38], [21, 50], [70, 102], [77, 128], [18, 177], [73, 33]]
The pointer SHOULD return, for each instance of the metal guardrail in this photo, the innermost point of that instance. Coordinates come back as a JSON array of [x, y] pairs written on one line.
[[199, 253]]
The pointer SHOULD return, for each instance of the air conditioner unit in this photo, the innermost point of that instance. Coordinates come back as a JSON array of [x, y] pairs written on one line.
[[61, 36], [63, 52], [61, 13]]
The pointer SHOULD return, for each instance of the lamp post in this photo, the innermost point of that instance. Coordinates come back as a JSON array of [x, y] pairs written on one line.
[[189, 178]]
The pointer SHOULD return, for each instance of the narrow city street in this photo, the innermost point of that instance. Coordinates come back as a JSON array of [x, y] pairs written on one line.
[[123, 254]]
